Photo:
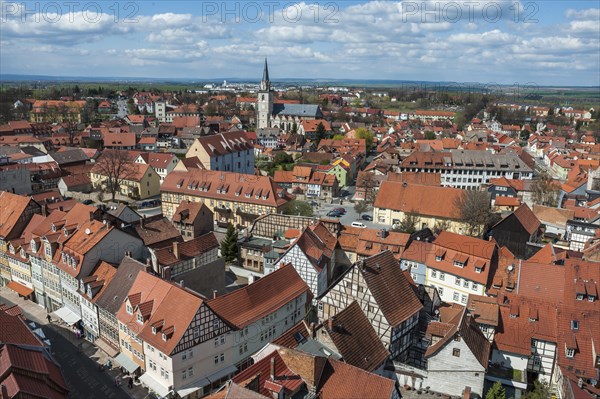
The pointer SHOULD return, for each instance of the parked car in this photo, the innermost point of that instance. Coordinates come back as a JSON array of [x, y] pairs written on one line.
[[367, 217], [340, 210], [344, 193], [145, 204], [334, 214], [358, 224], [88, 202], [313, 203]]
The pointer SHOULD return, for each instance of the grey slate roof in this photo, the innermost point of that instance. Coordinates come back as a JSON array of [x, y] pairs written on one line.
[[74, 155], [116, 291], [301, 110]]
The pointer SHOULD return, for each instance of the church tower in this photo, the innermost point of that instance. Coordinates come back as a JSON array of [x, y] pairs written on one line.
[[265, 101]]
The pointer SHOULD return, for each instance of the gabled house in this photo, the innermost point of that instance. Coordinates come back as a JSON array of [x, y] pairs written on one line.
[[162, 163], [516, 230], [458, 356], [289, 373], [230, 152], [457, 266], [384, 294], [260, 312], [192, 219], [91, 289], [313, 257]]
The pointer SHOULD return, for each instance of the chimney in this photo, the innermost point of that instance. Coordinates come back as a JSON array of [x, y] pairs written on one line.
[[142, 221], [91, 215], [166, 272], [181, 284], [273, 369], [251, 278], [215, 294], [148, 265], [384, 233], [44, 210], [176, 249]]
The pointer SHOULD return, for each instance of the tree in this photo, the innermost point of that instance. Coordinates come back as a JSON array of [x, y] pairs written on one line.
[[338, 137], [409, 223], [363, 133], [320, 133], [294, 128], [229, 246], [540, 391], [361, 207], [367, 183], [496, 391], [474, 209], [545, 191], [115, 167], [297, 207], [524, 136], [429, 135]]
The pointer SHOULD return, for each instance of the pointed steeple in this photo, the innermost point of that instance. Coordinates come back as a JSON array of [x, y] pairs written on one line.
[[266, 72]]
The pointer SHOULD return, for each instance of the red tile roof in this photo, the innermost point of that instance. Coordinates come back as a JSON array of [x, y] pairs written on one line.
[[514, 334], [13, 207], [187, 249], [30, 372], [225, 185], [165, 297], [423, 200], [261, 371], [261, 298], [225, 143], [355, 339], [390, 287]]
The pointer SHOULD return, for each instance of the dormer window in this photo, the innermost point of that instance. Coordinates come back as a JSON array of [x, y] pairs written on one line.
[[129, 309], [154, 330], [140, 318], [579, 297], [164, 337], [591, 298], [570, 353], [66, 232], [53, 228], [64, 258], [22, 253], [459, 264], [574, 325], [438, 258], [33, 246], [478, 270]]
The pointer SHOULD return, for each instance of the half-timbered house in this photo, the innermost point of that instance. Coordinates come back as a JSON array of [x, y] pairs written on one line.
[[183, 351], [384, 294]]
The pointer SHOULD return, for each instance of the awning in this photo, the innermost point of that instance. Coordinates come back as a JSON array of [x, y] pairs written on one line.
[[125, 362], [188, 391], [67, 315], [106, 347], [19, 288], [154, 385]]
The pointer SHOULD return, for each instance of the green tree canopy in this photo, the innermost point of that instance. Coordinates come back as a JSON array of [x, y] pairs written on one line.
[[229, 246], [363, 133], [297, 207], [496, 391]]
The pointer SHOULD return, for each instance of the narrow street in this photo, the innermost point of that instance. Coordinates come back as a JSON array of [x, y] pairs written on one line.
[[81, 372]]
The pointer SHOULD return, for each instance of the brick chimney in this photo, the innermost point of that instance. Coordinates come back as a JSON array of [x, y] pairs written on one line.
[[176, 249], [215, 294], [91, 216], [148, 265]]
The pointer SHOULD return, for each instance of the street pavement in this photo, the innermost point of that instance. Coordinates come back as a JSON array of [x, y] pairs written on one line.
[[350, 216], [80, 368]]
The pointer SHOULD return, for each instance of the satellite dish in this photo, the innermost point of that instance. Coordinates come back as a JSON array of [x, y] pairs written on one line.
[[88, 231], [511, 268]]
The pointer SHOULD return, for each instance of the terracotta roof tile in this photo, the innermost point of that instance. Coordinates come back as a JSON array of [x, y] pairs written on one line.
[[355, 339], [187, 249], [157, 231], [254, 301], [424, 200], [390, 287]]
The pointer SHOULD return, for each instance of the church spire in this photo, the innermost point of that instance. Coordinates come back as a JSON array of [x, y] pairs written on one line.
[[266, 72]]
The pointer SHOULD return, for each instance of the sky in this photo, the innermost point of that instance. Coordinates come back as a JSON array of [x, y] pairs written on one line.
[[487, 41]]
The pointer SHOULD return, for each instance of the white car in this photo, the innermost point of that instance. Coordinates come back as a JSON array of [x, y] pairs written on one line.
[[358, 224]]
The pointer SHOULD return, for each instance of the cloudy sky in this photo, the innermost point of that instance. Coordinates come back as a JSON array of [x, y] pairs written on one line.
[[503, 41]]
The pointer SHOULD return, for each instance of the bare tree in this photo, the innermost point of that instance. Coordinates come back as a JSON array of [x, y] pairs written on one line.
[[545, 191], [474, 210], [361, 207], [115, 167], [409, 223], [366, 181]]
